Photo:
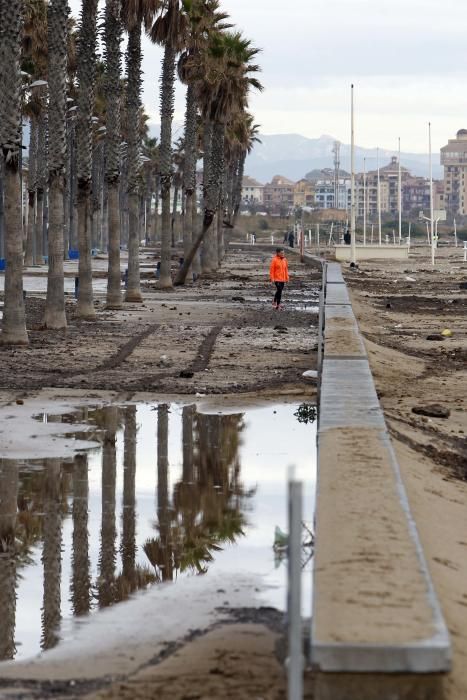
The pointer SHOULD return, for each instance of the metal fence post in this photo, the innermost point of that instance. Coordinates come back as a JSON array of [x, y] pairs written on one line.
[[295, 659]]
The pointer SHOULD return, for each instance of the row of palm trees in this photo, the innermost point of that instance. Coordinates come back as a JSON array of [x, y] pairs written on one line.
[[203, 512], [75, 161]]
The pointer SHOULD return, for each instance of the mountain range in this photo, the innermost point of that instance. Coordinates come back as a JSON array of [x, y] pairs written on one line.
[[292, 156]]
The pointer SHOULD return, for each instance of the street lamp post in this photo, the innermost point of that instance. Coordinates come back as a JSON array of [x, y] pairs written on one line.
[[353, 251], [378, 194], [433, 241]]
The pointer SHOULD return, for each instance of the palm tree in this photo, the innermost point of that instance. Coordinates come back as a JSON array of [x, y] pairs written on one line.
[[151, 152], [113, 91], [14, 319], [86, 73], [169, 30], [135, 13], [8, 510], [224, 90], [80, 581], [52, 555], [57, 15]]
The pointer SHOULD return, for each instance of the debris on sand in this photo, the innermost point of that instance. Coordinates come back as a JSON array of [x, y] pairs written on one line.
[[433, 410]]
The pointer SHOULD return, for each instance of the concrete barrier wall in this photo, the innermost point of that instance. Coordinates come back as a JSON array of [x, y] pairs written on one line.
[[375, 611], [371, 252]]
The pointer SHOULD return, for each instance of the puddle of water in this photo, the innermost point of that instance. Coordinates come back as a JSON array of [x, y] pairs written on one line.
[[171, 493]]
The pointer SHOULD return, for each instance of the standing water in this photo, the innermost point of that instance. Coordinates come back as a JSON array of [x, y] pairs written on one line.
[[172, 492]]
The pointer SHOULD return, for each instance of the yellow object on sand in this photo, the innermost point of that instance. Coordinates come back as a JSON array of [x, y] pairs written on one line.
[[447, 333]]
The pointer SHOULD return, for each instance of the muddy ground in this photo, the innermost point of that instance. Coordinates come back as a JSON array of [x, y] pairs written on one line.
[[220, 336]]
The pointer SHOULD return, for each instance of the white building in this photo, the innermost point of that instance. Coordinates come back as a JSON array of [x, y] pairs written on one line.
[[252, 191]]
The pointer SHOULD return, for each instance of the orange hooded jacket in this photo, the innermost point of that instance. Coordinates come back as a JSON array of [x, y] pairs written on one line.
[[279, 270]]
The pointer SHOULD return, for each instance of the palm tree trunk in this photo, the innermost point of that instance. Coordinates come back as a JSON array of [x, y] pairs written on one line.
[[113, 31], [86, 69], [14, 323], [155, 221], [238, 187], [211, 197], [52, 556], [114, 295], [174, 216], [133, 105], [167, 110], [189, 171], [81, 580], [39, 230], [196, 264], [32, 184], [206, 251], [57, 18], [8, 509], [55, 302], [14, 316]]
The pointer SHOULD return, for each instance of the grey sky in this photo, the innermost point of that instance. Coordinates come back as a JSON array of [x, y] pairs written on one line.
[[407, 58]]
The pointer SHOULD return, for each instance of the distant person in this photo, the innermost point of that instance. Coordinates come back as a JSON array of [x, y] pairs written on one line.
[[347, 237], [291, 239], [279, 274], [286, 237]]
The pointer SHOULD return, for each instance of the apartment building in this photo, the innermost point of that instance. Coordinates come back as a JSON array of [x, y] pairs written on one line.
[[454, 160], [252, 191], [279, 195], [304, 194]]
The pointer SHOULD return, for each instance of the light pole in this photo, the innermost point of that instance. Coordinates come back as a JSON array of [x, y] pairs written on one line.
[[364, 201], [378, 195], [353, 249], [399, 194], [433, 241]]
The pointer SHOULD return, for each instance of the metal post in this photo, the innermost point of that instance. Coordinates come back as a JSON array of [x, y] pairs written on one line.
[[295, 659], [433, 242], [399, 194], [455, 233], [364, 201], [353, 248], [378, 194]]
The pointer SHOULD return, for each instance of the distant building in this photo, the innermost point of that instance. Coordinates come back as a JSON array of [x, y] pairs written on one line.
[[304, 194], [416, 195], [454, 159], [279, 195], [252, 191]]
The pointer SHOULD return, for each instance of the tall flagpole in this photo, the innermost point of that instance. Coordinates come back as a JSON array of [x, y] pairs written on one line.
[[433, 242], [378, 196], [399, 194], [353, 251], [364, 201]]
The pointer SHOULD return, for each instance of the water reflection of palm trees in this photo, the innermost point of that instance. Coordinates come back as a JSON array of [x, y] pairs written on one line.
[[52, 555], [80, 578], [207, 506], [8, 516], [196, 516], [108, 554]]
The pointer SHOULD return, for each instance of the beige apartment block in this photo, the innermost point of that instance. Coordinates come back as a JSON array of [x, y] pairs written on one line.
[[304, 194], [454, 159]]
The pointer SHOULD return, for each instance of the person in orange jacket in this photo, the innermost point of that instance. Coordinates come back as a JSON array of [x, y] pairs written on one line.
[[279, 274]]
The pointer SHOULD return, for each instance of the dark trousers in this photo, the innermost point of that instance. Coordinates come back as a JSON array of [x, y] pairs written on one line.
[[278, 294]]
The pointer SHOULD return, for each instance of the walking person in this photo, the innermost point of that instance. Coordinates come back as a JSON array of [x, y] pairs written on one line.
[[279, 274]]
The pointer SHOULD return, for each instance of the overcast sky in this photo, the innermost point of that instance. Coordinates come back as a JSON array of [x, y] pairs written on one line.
[[407, 59]]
